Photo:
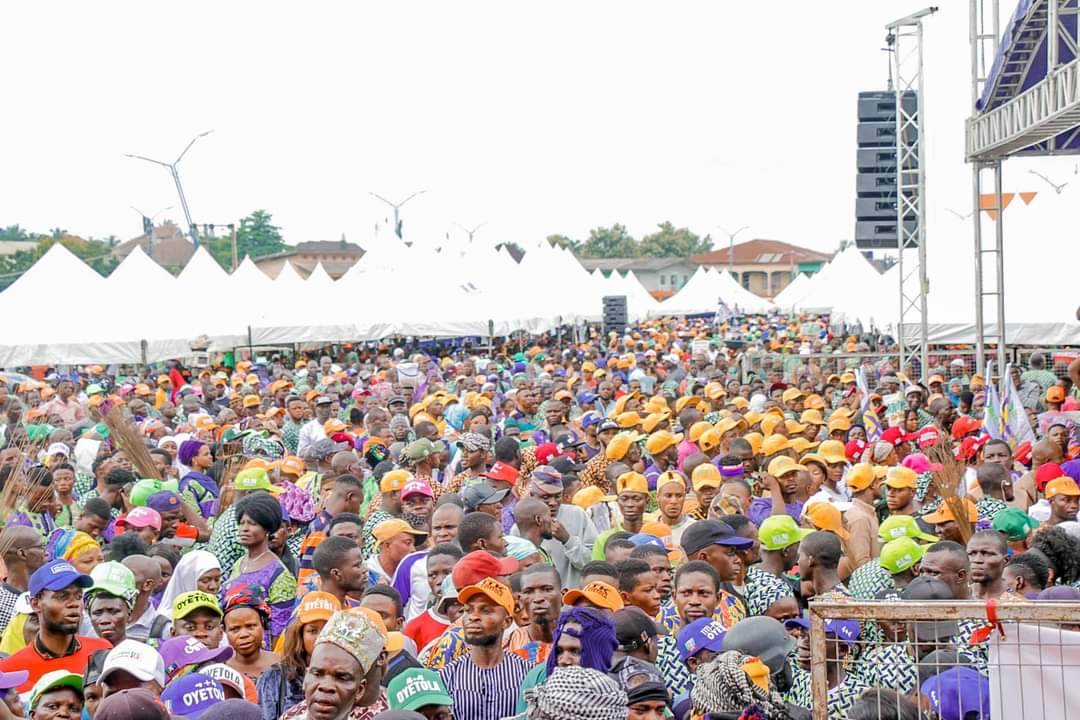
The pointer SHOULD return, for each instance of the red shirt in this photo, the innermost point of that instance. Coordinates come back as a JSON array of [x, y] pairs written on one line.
[[29, 658], [424, 628]]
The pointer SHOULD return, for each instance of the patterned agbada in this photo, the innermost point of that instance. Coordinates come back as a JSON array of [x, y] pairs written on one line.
[[676, 675], [594, 473], [463, 478], [763, 590], [290, 435], [729, 610]]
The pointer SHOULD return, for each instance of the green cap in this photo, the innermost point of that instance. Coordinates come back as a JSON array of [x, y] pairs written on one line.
[[901, 526], [94, 389], [143, 489], [38, 433], [1014, 524], [50, 681], [780, 531], [102, 429], [255, 479], [901, 554], [115, 579], [416, 688]]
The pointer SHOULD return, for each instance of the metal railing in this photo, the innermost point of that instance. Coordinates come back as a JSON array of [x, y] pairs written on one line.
[[1030, 659]]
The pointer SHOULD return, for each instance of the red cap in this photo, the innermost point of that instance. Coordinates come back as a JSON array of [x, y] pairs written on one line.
[[854, 449], [1046, 473], [893, 435], [969, 447], [1022, 454], [503, 472], [480, 564], [544, 452], [925, 437], [964, 425]]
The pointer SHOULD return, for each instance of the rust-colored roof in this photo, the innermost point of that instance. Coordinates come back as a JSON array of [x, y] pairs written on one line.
[[170, 248], [763, 252]]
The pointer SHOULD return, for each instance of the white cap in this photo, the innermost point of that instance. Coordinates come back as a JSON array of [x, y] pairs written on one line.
[[58, 448], [225, 675], [139, 659]]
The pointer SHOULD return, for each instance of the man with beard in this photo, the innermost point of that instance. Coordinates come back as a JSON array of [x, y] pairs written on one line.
[[541, 596], [56, 595], [484, 683], [340, 565], [573, 534]]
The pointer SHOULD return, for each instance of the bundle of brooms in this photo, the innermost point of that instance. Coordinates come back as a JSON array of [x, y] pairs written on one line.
[[125, 436], [948, 484]]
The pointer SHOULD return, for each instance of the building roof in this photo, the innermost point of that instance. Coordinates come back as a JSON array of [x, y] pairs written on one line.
[[635, 263], [10, 247], [170, 247], [316, 247], [763, 252]]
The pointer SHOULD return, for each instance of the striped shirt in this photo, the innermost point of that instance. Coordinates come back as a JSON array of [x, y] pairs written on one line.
[[484, 693]]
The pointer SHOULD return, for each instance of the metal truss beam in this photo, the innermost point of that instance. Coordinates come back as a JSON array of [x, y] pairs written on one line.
[[906, 39]]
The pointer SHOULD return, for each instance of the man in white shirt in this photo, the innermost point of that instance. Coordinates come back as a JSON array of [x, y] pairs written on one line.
[[312, 431]]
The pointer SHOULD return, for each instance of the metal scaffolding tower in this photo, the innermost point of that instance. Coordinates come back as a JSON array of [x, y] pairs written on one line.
[[905, 38], [1039, 54]]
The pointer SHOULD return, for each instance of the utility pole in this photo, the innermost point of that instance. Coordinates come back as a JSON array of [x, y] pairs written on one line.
[[731, 247], [210, 229], [467, 231], [192, 230], [148, 226], [397, 210]]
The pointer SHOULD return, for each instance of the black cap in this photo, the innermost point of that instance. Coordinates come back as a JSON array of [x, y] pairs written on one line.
[[633, 628], [481, 493], [565, 465], [703, 533], [397, 399], [928, 588], [608, 424], [94, 666]]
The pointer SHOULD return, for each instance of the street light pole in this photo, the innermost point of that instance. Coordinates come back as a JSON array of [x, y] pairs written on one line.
[[192, 230], [472, 232], [148, 226], [731, 247], [397, 209]]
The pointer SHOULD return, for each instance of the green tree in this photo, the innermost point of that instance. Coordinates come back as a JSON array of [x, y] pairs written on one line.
[[256, 236], [14, 232], [670, 241], [94, 253], [564, 242], [610, 242]]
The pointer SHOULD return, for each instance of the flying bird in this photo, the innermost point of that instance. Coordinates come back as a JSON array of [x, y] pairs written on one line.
[[962, 217], [1048, 181]]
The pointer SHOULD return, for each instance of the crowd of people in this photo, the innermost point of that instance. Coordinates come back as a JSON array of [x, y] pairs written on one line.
[[626, 527]]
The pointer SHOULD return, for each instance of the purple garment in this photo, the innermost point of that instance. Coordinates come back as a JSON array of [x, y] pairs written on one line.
[[761, 508], [264, 577], [403, 575], [508, 514], [1072, 469], [652, 474]]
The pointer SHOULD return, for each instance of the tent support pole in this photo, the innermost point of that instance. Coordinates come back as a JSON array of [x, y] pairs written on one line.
[[491, 337], [251, 349], [142, 351]]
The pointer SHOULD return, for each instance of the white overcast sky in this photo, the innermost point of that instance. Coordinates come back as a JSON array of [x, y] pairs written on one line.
[[549, 118]]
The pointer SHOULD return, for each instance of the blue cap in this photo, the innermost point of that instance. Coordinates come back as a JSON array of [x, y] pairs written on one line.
[[587, 398], [702, 634], [192, 695], [590, 418], [57, 575], [846, 630], [647, 539], [959, 693]]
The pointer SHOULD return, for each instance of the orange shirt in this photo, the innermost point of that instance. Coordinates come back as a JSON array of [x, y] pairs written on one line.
[[29, 658]]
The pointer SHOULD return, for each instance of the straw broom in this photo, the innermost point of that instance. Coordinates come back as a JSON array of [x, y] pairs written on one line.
[[947, 483], [126, 437]]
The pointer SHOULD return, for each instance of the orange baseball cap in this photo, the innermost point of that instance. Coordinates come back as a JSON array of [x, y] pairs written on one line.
[[1055, 394], [292, 465], [491, 588], [317, 605], [252, 401], [826, 516], [599, 594], [860, 477], [333, 425], [1061, 486], [944, 513]]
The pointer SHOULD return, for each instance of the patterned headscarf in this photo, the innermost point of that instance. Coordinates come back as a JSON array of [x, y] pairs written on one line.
[[243, 595], [68, 544], [297, 503], [577, 693], [723, 685]]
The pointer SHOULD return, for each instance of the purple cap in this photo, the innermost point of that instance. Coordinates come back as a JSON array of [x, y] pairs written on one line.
[[57, 575], [164, 501], [192, 695], [959, 693], [702, 634], [587, 398], [590, 418], [184, 650], [13, 679], [846, 630]]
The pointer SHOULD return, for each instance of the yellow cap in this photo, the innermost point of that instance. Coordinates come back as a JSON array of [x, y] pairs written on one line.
[[618, 447], [773, 444], [631, 482], [859, 477], [783, 465], [698, 428], [660, 441], [706, 475], [755, 439], [832, 451]]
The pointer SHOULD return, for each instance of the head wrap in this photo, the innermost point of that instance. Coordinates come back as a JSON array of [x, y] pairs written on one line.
[[375, 450], [577, 693], [187, 451], [192, 566], [475, 441], [519, 548], [597, 635], [297, 503], [68, 544], [723, 685], [456, 415], [246, 595], [547, 479]]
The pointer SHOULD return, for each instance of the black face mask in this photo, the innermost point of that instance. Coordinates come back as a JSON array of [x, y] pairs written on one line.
[[782, 680]]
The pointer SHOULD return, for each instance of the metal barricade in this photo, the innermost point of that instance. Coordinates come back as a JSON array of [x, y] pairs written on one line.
[[792, 367], [1030, 657]]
